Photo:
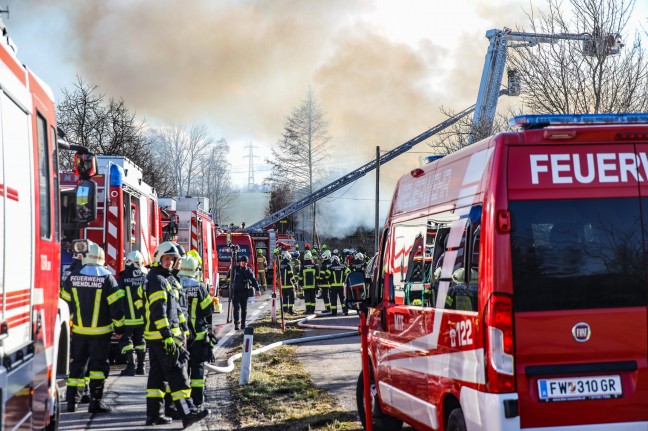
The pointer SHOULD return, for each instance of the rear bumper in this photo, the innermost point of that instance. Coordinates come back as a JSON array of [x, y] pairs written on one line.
[[485, 412]]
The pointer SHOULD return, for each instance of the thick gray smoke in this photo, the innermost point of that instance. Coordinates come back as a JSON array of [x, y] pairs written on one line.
[[243, 66]]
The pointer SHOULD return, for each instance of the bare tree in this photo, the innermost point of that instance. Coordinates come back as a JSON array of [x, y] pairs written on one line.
[[214, 179], [565, 78], [181, 151], [301, 149], [104, 126]]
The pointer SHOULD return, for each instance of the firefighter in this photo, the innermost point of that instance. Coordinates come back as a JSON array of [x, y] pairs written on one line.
[[337, 272], [243, 278], [132, 343], [201, 308], [97, 305], [324, 280], [166, 340], [199, 275], [307, 278], [262, 266], [287, 288]]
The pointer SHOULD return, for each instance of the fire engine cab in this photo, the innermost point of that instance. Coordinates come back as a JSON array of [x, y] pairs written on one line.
[[34, 321], [127, 211], [185, 221], [511, 289]]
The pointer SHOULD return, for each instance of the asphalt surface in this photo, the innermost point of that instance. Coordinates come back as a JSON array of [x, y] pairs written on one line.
[[334, 365]]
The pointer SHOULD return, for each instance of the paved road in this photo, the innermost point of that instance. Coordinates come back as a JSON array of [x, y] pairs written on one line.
[[334, 365]]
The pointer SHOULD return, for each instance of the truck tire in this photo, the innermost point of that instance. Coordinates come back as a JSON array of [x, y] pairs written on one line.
[[456, 421], [381, 420], [54, 419]]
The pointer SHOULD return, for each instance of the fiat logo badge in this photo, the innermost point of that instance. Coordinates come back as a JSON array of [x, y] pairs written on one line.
[[581, 332]]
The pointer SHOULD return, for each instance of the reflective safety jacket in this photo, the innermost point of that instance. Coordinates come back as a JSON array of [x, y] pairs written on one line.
[[262, 264], [286, 274], [96, 301], [308, 274], [200, 307], [130, 281], [182, 301], [337, 272], [161, 305], [324, 273]]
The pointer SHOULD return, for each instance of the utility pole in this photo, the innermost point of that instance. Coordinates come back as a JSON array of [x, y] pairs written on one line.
[[251, 156]]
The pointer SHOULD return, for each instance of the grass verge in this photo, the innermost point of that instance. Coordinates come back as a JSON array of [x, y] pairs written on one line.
[[281, 394]]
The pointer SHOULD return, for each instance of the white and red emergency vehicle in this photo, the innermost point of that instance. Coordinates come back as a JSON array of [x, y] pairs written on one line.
[[511, 291], [185, 221], [34, 321], [127, 211]]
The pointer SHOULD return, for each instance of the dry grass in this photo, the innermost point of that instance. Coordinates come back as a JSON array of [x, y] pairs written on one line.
[[281, 395]]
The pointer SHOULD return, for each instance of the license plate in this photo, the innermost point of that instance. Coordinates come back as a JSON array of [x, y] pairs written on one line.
[[580, 388]]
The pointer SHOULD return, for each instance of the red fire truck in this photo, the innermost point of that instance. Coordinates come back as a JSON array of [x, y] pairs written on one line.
[[186, 221], [511, 288], [34, 321], [127, 211], [226, 243]]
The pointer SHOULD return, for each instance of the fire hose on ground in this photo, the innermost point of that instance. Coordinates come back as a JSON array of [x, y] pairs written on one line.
[[300, 322]]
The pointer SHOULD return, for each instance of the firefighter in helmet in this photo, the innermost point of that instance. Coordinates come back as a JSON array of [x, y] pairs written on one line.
[[166, 342], [324, 280], [337, 273], [97, 305], [262, 267], [132, 343], [287, 288], [307, 278], [201, 308]]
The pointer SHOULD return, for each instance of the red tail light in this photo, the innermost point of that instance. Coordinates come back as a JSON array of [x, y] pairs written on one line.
[[499, 344]]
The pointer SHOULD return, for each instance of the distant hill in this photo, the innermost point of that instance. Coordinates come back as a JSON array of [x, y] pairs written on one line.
[[249, 208]]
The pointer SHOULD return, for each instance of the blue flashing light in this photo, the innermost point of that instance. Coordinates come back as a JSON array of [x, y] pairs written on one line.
[[430, 159], [116, 174], [525, 122]]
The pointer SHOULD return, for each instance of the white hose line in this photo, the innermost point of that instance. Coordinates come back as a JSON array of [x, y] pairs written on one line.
[[230, 362], [301, 324]]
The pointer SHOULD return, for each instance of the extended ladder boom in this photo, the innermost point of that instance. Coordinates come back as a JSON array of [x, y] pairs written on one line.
[[358, 173]]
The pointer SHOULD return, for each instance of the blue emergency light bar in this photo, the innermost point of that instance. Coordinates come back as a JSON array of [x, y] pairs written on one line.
[[526, 122]]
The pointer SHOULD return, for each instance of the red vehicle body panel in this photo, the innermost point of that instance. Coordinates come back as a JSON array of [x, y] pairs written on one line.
[[428, 360]]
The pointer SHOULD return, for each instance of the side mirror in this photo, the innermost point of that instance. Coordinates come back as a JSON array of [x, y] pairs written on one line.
[[86, 202]]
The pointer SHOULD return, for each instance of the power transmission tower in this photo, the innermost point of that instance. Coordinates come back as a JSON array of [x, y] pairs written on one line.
[[251, 156]]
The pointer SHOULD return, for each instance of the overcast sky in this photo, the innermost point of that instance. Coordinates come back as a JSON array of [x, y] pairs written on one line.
[[381, 69]]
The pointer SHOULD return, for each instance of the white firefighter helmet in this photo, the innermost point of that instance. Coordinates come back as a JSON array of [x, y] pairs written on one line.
[[308, 256], [135, 258], [326, 254], [94, 256], [286, 255], [163, 249], [359, 256], [188, 267], [335, 259]]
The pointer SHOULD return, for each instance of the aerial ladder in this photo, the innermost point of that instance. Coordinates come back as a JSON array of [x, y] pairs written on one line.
[[484, 108]]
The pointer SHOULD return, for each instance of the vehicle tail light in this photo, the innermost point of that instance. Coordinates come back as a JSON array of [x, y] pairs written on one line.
[[499, 344]]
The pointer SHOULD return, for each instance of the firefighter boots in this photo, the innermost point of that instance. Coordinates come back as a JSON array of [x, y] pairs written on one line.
[[98, 406], [71, 407], [139, 371], [236, 326], [130, 367], [153, 415], [193, 417]]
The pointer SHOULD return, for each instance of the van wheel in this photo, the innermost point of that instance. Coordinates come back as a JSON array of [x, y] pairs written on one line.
[[54, 419], [456, 421], [381, 421]]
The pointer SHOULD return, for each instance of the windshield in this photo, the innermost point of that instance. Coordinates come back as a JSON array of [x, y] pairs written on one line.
[[577, 254]]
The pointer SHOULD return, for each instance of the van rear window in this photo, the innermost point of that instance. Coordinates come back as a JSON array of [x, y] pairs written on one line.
[[577, 254]]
